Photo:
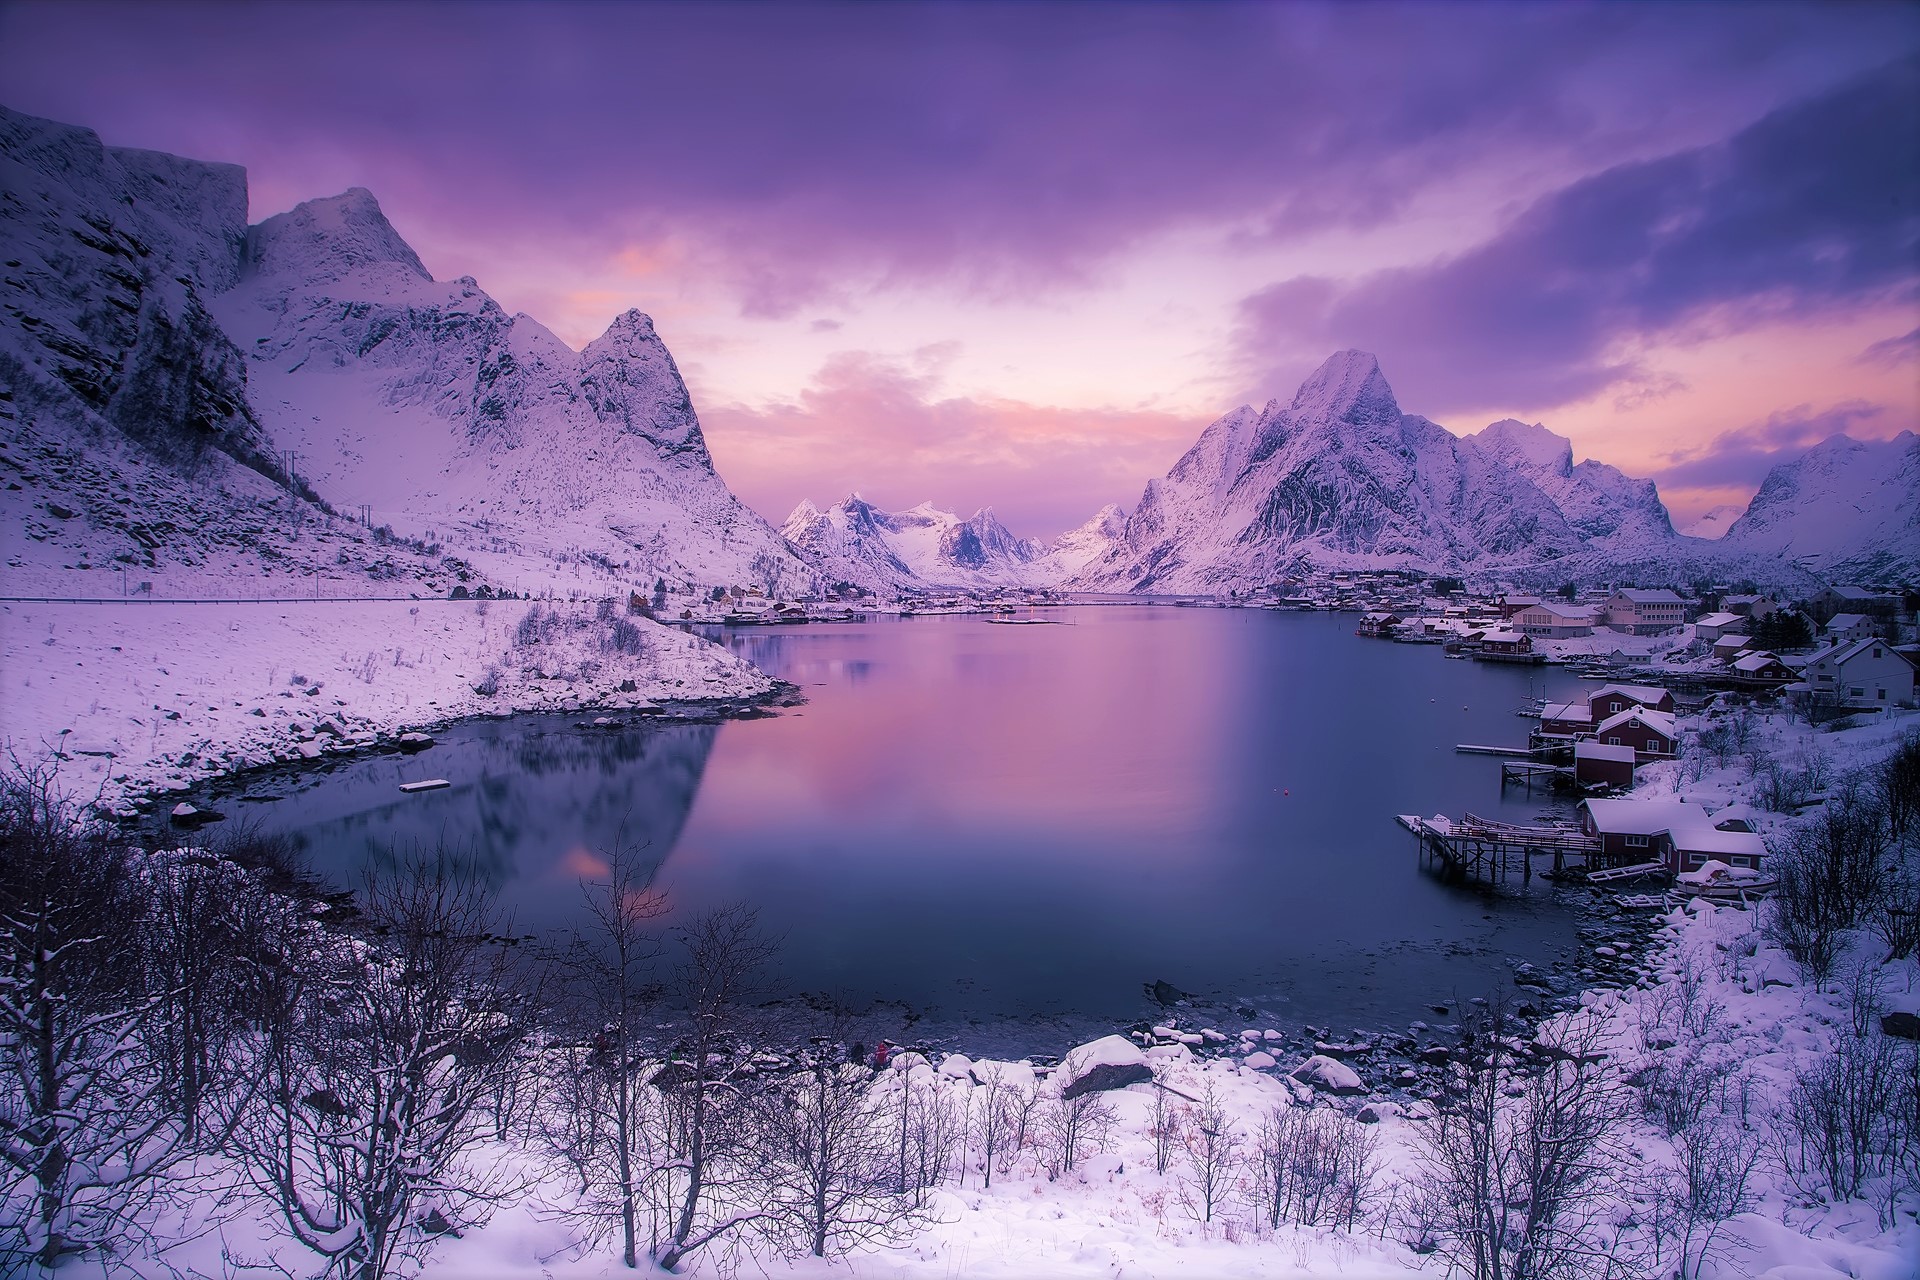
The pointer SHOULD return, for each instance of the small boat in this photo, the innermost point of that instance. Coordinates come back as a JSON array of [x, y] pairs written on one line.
[[425, 784]]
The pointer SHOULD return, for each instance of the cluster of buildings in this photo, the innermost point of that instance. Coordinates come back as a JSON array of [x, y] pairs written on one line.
[[1610, 731]]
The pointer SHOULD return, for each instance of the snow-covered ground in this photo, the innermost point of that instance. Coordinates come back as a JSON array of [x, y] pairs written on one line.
[[1711, 985], [149, 696]]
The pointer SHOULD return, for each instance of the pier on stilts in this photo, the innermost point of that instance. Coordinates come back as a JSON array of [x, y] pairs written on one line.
[[1481, 849]]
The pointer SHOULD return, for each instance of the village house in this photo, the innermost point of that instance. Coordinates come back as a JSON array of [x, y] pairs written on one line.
[[1730, 646], [1757, 666], [1833, 601], [1651, 734], [1844, 628], [1555, 621], [1865, 673], [1714, 625], [1513, 606], [1675, 833], [1505, 641], [1645, 612], [1565, 719], [1612, 699], [1595, 765], [1755, 607]]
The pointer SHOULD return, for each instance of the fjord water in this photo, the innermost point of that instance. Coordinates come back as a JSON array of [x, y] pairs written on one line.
[[1009, 830]]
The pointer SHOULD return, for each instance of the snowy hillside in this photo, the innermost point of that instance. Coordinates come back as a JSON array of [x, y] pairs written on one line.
[[192, 398], [923, 546], [1715, 523], [1341, 478], [426, 400], [1847, 508]]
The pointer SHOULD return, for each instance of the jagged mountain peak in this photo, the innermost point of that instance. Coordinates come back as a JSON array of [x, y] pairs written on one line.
[[1348, 385], [1528, 445], [323, 241]]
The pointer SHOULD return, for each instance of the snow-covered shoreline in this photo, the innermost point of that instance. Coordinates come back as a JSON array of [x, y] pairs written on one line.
[[150, 698]]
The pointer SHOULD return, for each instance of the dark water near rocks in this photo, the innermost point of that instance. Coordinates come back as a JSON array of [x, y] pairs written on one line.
[[1004, 832]]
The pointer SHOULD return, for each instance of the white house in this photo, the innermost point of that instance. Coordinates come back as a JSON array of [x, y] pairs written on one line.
[[1730, 646], [1643, 612], [1714, 625], [1554, 620], [1844, 628], [1865, 673]]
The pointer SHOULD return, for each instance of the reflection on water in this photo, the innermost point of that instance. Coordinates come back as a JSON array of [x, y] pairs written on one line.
[[1030, 822], [534, 804]]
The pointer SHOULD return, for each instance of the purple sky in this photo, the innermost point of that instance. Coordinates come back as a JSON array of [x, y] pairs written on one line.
[[1020, 254]]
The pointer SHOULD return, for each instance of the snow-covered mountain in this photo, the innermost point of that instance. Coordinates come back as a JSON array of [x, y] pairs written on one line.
[[1714, 524], [236, 372], [923, 546], [1610, 510], [1341, 478], [1846, 509]]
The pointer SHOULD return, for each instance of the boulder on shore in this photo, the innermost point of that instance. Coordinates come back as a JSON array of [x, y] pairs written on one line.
[[1330, 1074], [1111, 1062]]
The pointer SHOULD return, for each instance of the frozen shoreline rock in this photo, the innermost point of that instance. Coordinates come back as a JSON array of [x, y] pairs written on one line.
[[1330, 1074], [1111, 1062]]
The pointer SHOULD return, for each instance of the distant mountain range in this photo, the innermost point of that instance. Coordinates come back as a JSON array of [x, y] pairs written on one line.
[[856, 542], [186, 393]]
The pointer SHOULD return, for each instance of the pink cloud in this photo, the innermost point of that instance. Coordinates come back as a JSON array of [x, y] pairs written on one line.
[[878, 425]]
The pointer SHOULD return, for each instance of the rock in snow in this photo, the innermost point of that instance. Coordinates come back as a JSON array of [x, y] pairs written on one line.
[[1111, 1062], [1330, 1074]]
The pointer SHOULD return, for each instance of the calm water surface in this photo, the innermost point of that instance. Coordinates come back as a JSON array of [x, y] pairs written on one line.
[[1009, 830]]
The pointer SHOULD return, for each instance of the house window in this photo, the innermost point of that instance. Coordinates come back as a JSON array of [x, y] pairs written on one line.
[[1613, 742], [1636, 842], [1858, 692], [1882, 694]]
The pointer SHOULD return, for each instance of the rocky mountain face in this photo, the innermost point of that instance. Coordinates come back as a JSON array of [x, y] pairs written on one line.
[[1847, 509], [317, 353], [1341, 478], [925, 547], [1714, 524]]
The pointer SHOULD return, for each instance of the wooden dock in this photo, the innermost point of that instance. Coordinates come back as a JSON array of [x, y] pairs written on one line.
[[1527, 773], [1476, 848]]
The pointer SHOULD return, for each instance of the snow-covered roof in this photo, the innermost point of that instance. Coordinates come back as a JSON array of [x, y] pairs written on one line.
[[1754, 661], [1646, 694], [1659, 721], [1841, 654], [1704, 837], [1847, 621], [1571, 612], [1736, 813], [1566, 711], [1644, 817], [1717, 620], [1732, 640], [1658, 595], [1590, 750]]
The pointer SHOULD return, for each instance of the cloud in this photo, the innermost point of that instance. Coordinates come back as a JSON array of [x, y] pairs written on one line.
[[879, 424], [1891, 353], [1741, 458], [824, 325], [790, 152], [1812, 209]]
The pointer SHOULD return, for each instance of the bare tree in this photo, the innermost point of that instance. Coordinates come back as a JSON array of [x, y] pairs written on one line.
[[1210, 1148], [1835, 1127], [1716, 1157], [1315, 1166], [1523, 1154], [824, 1144], [1074, 1128], [1163, 1126], [89, 1114], [993, 1118], [378, 1080], [710, 1138], [607, 1123]]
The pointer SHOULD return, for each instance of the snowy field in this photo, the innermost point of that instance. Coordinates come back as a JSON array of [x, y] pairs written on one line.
[[153, 696], [1172, 1176]]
